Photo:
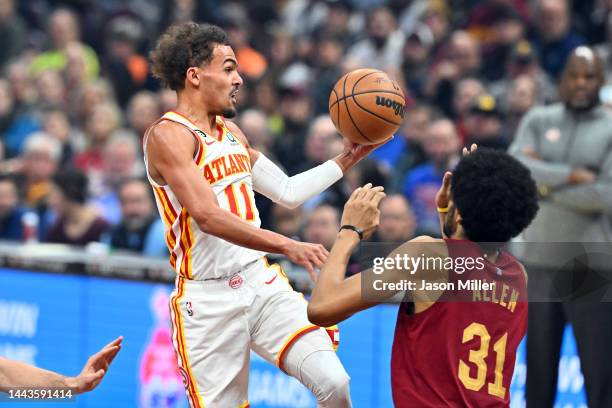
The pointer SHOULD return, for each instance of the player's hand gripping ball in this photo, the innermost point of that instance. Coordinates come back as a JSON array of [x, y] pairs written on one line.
[[366, 106]]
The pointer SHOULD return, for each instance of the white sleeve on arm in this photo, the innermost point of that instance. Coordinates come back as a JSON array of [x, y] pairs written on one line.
[[271, 181]]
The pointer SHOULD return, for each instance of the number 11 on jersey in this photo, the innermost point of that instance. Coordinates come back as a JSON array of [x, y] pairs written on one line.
[[243, 211]]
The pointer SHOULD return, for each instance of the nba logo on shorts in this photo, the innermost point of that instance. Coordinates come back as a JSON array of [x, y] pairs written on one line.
[[235, 281], [189, 308]]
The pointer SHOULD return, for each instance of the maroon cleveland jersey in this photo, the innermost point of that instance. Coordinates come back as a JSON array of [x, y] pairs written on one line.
[[461, 352]]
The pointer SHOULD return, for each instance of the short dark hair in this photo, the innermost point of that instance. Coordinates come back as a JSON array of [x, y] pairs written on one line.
[[495, 195], [73, 184], [182, 46]]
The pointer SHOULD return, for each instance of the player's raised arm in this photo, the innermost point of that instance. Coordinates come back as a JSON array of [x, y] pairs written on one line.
[[335, 298], [271, 181], [14, 374], [170, 150]]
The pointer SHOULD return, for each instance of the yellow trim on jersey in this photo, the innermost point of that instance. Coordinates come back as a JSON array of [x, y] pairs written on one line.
[[292, 339], [181, 350]]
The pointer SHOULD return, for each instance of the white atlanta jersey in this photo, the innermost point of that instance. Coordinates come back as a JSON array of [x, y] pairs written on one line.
[[225, 163]]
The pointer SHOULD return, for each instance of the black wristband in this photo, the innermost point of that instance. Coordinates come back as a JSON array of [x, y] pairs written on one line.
[[353, 228]]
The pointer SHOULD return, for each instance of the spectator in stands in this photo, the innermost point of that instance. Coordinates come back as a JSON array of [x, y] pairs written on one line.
[[483, 124], [329, 54], [77, 223], [467, 90], [322, 225], [63, 29], [39, 161], [104, 119], [521, 97], [408, 152], [441, 144], [127, 69], [55, 123], [13, 33], [121, 161], [337, 23], [523, 60], [90, 96], [296, 110], [143, 109], [382, 48], [556, 36], [568, 148], [461, 59], [251, 63], [415, 65], [15, 123], [286, 221], [254, 124], [11, 212], [397, 222], [140, 229]]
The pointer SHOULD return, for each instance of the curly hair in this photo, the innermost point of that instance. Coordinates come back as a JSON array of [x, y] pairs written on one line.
[[182, 46], [495, 195]]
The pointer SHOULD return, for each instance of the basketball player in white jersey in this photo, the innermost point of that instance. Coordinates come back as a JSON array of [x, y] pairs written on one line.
[[228, 299]]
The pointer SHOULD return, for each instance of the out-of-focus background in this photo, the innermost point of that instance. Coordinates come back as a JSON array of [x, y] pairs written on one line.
[[76, 95]]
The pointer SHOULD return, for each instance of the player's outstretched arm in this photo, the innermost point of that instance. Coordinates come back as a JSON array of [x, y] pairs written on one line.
[[14, 374], [271, 181], [335, 298], [170, 150]]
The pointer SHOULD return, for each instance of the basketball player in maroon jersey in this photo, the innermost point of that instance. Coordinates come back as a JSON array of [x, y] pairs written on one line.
[[450, 349]]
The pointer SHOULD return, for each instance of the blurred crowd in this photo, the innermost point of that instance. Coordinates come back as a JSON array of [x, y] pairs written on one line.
[[76, 95]]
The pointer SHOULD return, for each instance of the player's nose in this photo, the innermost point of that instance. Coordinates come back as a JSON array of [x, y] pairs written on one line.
[[238, 81]]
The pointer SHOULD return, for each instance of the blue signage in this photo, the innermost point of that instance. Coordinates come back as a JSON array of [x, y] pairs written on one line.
[[58, 321]]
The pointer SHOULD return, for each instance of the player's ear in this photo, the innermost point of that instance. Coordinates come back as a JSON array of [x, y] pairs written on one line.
[[193, 76]]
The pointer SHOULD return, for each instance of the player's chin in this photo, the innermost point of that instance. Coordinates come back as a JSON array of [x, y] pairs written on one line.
[[230, 112]]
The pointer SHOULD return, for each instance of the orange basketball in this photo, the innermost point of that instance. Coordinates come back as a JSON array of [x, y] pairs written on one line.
[[366, 106]]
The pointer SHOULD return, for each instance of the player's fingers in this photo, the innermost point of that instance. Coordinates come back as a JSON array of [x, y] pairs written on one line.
[[115, 342], [465, 151], [111, 356], [364, 191], [377, 197], [473, 148], [104, 354], [313, 275], [306, 264], [316, 261], [372, 192], [447, 179], [354, 195]]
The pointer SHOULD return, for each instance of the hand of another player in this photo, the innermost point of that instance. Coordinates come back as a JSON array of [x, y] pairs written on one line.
[[443, 194], [473, 149], [95, 368], [310, 256], [361, 209]]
